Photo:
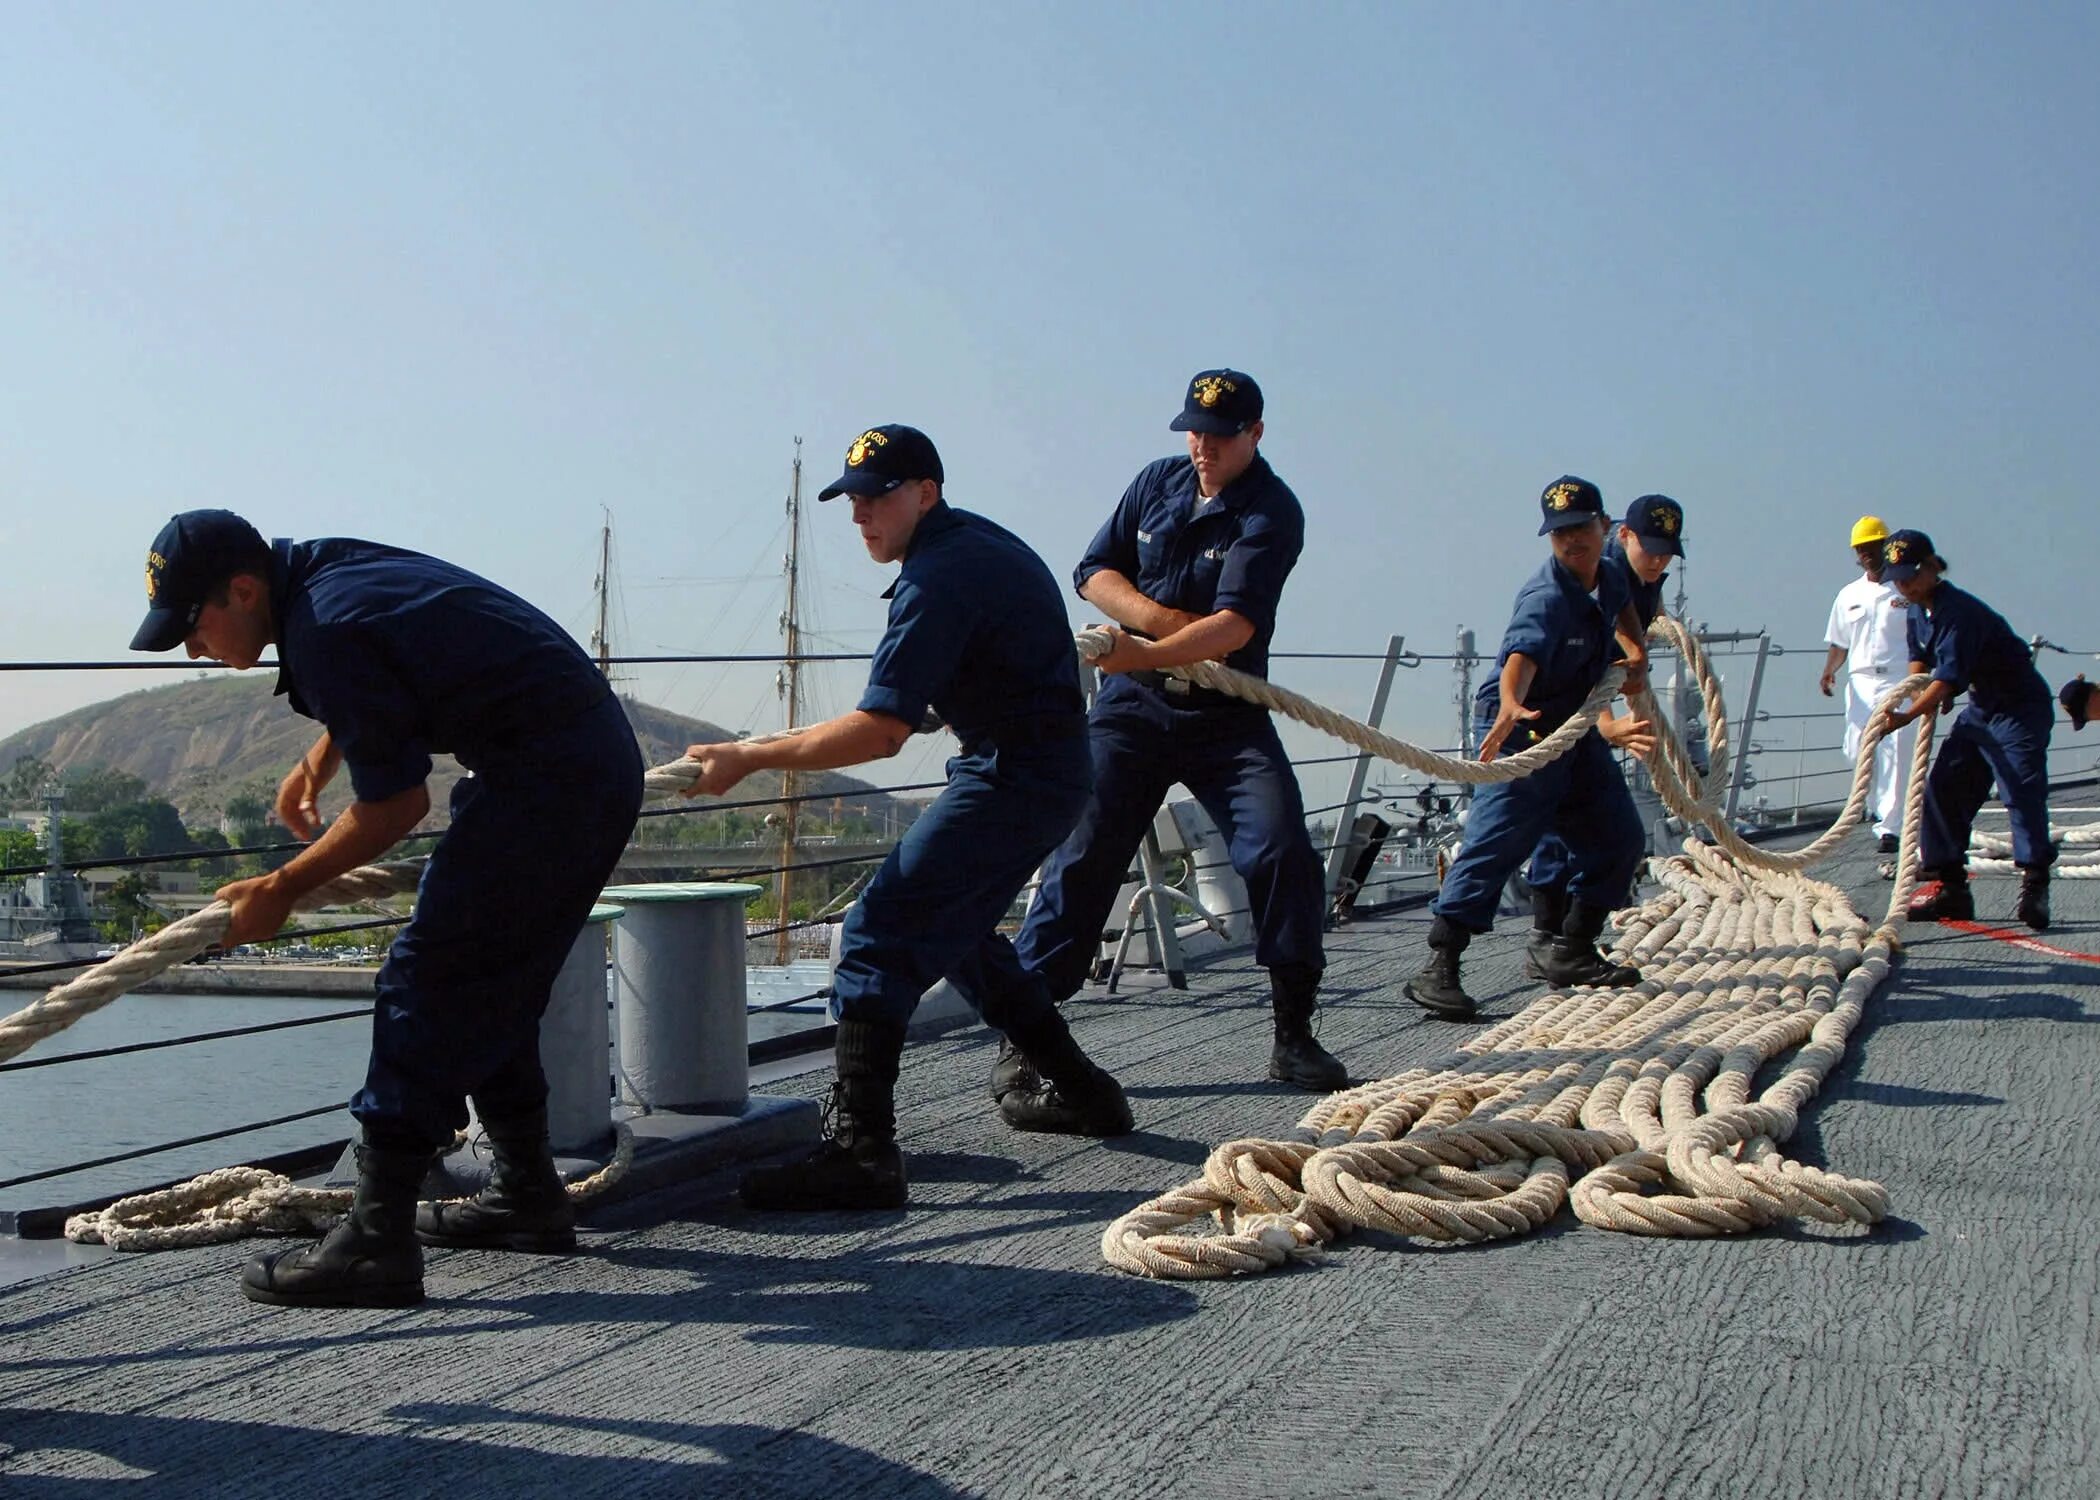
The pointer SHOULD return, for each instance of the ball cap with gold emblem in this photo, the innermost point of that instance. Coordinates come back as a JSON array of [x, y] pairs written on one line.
[[195, 553], [1905, 552], [1659, 522], [882, 458], [1219, 401], [1569, 501]]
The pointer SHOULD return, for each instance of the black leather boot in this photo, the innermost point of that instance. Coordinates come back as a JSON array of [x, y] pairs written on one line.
[[1297, 1058], [524, 1207], [1574, 959], [1013, 1071], [1549, 913], [858, 1166], [1436, 988], [371, 1259], [2034, 897], [1073, 1095], [1942, 893]]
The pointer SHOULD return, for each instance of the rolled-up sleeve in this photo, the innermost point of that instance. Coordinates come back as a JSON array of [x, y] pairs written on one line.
[[1531, 625], [1954, 652], [1115, 544], [353, 686], [919, 652], [1250, 581]]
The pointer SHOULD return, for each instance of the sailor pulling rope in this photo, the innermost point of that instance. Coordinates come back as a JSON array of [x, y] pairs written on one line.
[[1483, 1143]]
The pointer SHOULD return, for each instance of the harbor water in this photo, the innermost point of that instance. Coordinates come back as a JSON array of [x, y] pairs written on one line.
[[55, 1116]]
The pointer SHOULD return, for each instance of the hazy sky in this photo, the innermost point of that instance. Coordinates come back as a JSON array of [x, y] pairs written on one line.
[[458, 276]]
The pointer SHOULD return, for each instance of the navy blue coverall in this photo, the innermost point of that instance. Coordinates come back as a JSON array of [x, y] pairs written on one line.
[[2002, 734], [978, 631], [402, 656], [1233, 552], [1549, 862], [1582, 797]]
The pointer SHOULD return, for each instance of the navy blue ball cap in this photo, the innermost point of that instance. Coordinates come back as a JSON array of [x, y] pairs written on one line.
[[1219, 401], [2073, 697], [194, 554], [882, 458], [1659, 522], [1569, 501], [1903, 553]]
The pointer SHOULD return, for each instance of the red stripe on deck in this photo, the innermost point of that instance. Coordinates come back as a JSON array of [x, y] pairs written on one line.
[[2019, 940]]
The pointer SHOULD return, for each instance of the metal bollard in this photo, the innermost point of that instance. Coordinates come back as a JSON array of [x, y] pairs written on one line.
[[678, 986], [576, 1043]]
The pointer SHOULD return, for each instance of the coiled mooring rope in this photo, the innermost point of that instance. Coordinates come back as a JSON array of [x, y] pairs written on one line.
[[1639, 1106]]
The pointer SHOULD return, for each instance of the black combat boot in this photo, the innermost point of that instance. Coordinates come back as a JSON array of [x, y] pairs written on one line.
[[1436, 989], [524, 1206], [1072, 1095], [371, 1259], [858, 1165], [1549, 913], [1574, 959], [1013, 1071], [1297, 1058], [2034, 897], [1940, 894]]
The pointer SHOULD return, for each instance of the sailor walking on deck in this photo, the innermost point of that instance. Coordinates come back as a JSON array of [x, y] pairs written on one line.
[[1867, 634], [1573, 619], [1191, 565], [400, 657], [1639, 552], [977, 631], [2002, 735]]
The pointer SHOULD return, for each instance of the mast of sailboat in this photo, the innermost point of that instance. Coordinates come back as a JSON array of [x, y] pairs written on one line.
[[789, 683], [601, 638]]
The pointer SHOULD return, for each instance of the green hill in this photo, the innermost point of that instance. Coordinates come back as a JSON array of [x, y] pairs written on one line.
[[200, 742]]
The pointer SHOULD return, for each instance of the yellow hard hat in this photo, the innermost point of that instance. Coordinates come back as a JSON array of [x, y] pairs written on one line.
[[1868, 529]]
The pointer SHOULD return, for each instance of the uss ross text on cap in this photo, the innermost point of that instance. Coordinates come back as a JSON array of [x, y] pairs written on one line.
[[1223, 402], [1569, 501], [1905, 552], [1659, 522], [882, 458], [195, 553]]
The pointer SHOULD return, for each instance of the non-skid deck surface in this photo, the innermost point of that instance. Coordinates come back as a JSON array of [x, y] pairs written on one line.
[[975, 1345]]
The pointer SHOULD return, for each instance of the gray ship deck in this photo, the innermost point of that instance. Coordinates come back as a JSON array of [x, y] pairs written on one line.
[[975, 1344]]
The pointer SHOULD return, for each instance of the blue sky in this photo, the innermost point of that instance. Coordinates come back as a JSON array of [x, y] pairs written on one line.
[[457, 277]]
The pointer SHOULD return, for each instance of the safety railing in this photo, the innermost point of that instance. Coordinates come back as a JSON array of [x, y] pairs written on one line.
[[1759, 758]]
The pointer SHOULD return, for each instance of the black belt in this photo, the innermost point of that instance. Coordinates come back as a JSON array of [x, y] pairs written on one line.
[[1181, 690], [1019, 734]]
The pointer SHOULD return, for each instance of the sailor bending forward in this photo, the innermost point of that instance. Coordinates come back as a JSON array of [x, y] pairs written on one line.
[[400, 656], [1640, 551], [2002, 735], [978, 632], [1573, 619]]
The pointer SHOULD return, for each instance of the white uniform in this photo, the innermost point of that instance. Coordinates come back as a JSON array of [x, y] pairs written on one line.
[[1867, 621]]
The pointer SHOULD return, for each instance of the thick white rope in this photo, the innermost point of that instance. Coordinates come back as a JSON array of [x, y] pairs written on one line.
[[236, 1201], [1095, 642], [1637, 1106]]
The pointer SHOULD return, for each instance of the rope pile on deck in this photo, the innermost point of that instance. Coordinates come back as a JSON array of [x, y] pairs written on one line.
[[1640, 1107]]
